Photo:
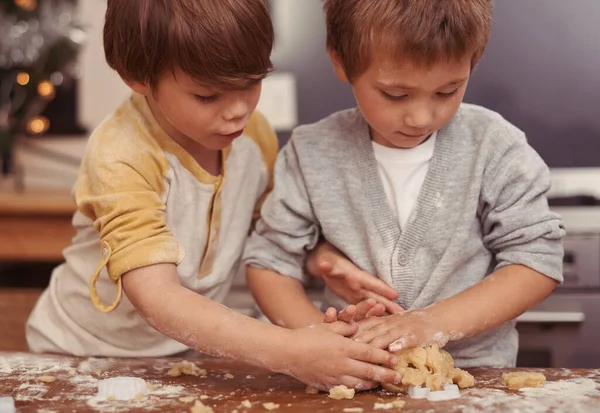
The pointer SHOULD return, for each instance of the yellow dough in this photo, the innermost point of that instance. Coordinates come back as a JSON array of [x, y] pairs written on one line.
[[429, 366], [520, 379], [341, 392]]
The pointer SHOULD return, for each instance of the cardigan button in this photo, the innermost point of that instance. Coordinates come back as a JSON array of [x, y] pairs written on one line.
[[403, 260]]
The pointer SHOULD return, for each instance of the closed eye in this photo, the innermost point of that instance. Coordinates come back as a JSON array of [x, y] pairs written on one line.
[[393, 97], [447, 95], [206, 99]]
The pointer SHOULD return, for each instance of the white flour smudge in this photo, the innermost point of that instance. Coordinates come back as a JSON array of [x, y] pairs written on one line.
[[578, 395]]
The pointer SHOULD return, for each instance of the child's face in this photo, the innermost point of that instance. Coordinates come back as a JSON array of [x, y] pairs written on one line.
[[188, 111], [405, 104]]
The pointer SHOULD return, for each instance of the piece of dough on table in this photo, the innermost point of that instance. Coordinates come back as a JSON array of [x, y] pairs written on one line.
[[428, 366], [521, 379]]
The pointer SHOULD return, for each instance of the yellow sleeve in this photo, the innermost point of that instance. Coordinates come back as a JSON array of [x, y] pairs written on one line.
[[260, 130], [119, 188]]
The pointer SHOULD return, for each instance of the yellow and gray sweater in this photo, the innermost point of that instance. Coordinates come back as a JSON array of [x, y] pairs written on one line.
[[143, 200]]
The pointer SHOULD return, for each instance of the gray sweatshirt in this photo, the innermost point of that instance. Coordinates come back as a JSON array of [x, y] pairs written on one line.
[[482, 207]]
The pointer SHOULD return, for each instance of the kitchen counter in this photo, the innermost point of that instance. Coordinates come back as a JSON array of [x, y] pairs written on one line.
[[228, 384]]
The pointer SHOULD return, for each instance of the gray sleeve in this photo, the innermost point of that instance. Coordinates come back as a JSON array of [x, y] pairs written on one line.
[[287, 228], [517, 224]]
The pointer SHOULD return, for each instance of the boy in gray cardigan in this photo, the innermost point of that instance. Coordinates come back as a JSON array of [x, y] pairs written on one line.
[[442, 200]]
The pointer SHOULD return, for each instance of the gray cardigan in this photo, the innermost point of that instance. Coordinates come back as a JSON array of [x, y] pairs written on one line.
[[482, 206]]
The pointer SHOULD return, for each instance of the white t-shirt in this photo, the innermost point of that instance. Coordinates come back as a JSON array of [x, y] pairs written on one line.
[[403, 172]]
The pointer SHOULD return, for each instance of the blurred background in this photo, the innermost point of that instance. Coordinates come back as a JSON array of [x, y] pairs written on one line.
[[540, 71]]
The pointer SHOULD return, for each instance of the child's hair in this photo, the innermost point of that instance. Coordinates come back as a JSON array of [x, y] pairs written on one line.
[[423, 32], [219, 43]]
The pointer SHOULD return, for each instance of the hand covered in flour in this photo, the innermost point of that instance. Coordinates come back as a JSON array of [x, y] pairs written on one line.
[[404, 330], [349, 282], [353, 313], [324, 359]]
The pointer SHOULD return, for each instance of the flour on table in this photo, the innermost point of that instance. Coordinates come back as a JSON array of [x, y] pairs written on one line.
[[579, 395]]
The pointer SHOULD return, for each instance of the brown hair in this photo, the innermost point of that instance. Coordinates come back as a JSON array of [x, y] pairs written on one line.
[[422, 31], [219, 43]]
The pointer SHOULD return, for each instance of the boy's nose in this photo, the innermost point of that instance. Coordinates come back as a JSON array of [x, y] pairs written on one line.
[[236, 111], [418, 118]]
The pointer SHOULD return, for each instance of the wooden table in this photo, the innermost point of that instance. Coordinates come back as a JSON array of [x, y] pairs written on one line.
[[76, 385], [35, 226]]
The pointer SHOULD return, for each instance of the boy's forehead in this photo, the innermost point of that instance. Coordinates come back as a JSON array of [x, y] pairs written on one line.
[[404, 72]]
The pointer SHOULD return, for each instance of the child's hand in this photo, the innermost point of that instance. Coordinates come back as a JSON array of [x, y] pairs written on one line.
[[400, 331], [348, 281], [324, 359], [354, 313]]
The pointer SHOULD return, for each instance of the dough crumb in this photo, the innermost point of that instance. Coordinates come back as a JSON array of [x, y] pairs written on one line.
[[199, 407], [47, 379], [246, 404], [270, 406], [383, 406], [311, 390], [341, 392], [353, 410], [521, 379], [72, 372], [189, 369], [399, 404], [462, 378], [229, 376], [249, 377], [203, 397], [187, 399], [138, 396]]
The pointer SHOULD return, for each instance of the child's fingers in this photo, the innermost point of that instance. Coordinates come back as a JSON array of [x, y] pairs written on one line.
[[372, 333], [326, 267], [370, 322], [377, 311], [343, 329], [364, 307], [396, 339], [373, 355], [348, 314], [367, 371], [330, 315], [390, 306], [371, 283]]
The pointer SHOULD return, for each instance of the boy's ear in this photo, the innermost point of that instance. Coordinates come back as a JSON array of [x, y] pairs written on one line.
[[338, 67], [141, 88]]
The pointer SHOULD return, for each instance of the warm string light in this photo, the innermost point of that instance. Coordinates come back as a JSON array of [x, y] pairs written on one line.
[[27, 5], [46, 89], [23, 78], [38, 125]]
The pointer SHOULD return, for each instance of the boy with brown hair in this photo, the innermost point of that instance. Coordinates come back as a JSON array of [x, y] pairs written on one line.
[[442, 200], [166, 196]]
